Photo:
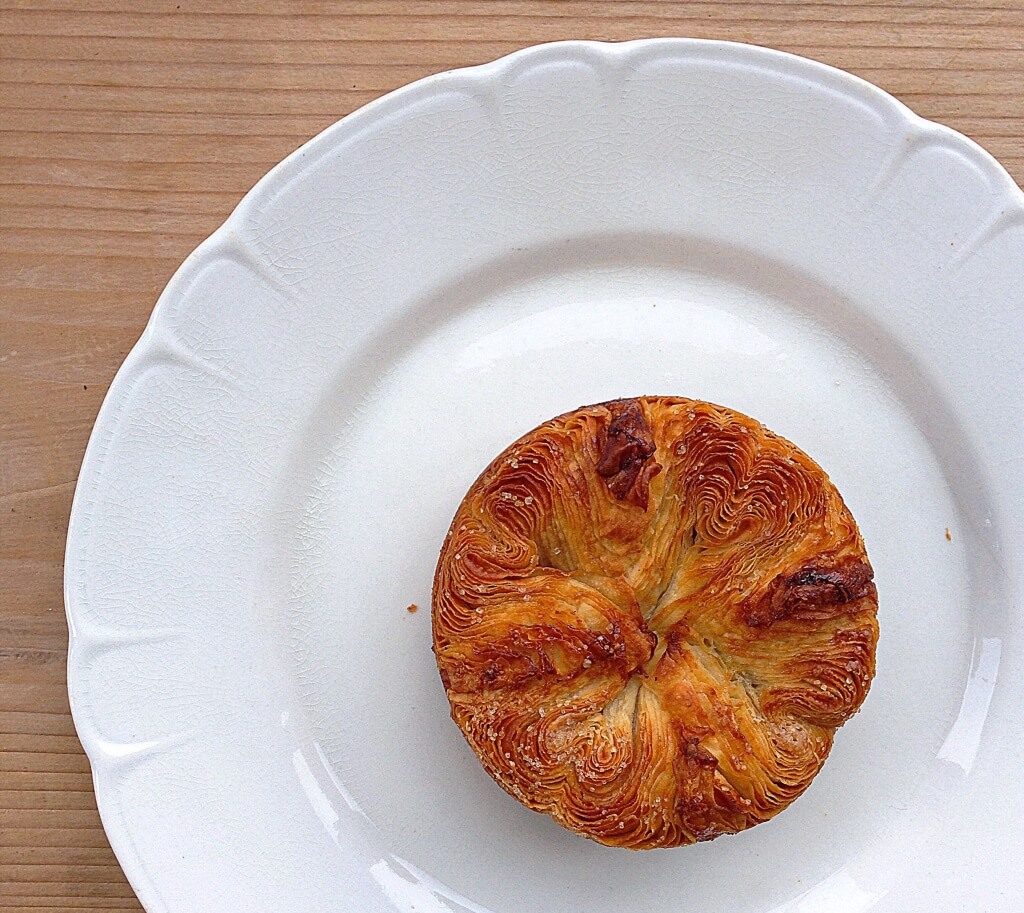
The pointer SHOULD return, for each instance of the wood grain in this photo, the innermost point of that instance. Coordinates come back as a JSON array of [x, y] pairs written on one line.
[[128, 131]]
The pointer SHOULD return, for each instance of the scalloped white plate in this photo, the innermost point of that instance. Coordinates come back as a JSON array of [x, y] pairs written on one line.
[[276, 463]]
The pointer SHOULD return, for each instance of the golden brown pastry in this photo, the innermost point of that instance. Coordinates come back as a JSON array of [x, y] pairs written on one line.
[[650, 616]]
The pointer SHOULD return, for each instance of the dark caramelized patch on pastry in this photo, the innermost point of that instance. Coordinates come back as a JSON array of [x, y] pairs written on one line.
[[813, 590], [625, 461], [650, 616]]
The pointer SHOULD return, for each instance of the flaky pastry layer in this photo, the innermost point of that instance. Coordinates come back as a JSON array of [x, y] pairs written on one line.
[[650, 616]]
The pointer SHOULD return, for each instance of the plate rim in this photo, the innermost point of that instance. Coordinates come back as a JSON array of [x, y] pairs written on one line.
[[774, 62]]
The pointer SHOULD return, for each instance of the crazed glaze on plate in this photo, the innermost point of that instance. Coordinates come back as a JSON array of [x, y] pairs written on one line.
[[277, 460]]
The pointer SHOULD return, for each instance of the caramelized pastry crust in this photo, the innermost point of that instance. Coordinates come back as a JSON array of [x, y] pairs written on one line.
[[650, 616]]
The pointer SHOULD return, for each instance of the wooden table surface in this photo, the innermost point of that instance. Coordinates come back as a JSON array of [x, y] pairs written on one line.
[[129, 131]]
